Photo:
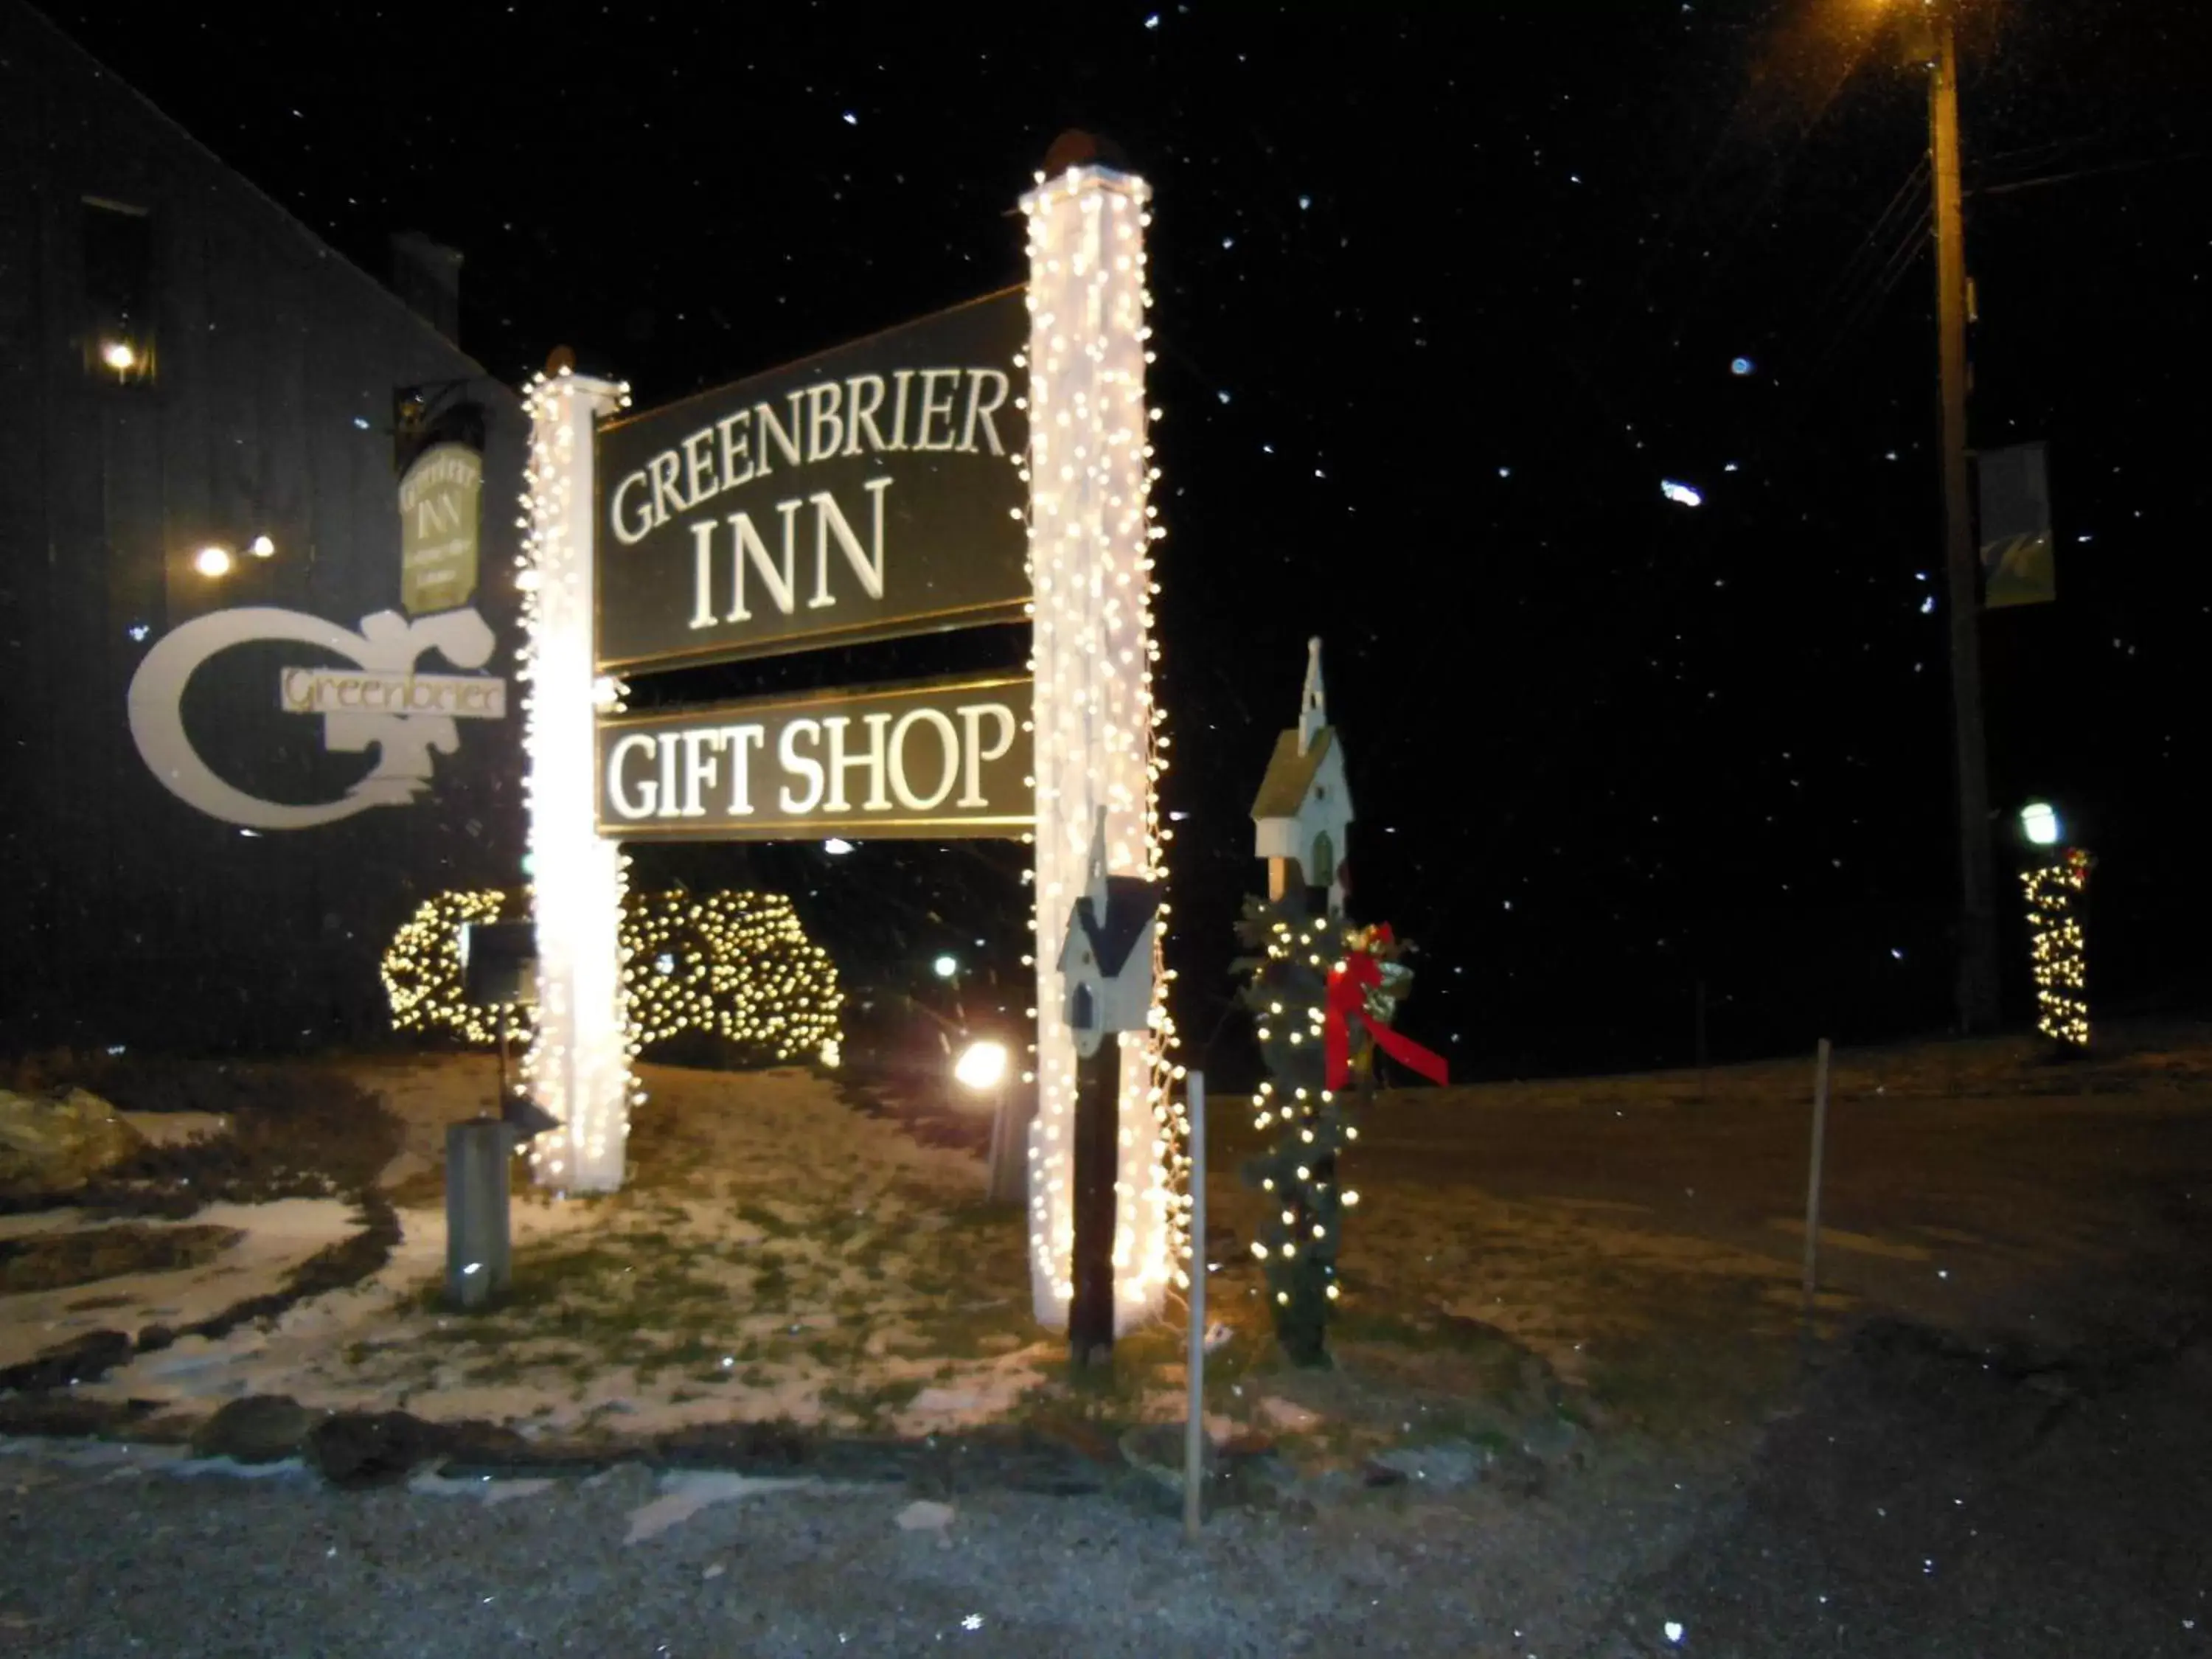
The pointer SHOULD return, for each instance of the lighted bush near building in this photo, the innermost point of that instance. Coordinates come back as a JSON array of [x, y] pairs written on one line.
[[736, 966]]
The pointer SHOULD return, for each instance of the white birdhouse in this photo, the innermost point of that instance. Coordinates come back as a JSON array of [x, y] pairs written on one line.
[[1304, 813], [1106, 959]]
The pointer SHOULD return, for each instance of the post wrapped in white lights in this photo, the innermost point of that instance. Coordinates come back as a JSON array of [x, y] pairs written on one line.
[[1091, 536], [578, 1065]]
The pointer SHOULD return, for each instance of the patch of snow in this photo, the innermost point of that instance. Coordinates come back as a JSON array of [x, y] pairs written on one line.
[[1291, 1418], [941, 1402], [925, 1514], [483, 1488], [278, 1238], [685, 1493], [192, 1468]]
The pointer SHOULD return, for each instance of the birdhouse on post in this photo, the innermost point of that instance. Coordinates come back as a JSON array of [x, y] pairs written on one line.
[[1106, 958], [1303, 812], [1106, 965]]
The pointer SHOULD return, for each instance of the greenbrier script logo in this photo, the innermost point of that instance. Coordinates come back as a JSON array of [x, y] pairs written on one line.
[[384, 704]]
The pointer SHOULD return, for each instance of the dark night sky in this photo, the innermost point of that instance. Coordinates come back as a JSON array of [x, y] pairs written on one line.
[[1443, 297]]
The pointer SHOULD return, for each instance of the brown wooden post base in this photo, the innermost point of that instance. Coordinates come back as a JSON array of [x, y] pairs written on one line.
[[1097, 1159]]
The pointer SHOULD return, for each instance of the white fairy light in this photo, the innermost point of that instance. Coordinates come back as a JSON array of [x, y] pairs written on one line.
[[579, 1062], [1097, 745]]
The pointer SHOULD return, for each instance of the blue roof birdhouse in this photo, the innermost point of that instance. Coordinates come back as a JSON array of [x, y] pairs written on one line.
[[1106, 957]]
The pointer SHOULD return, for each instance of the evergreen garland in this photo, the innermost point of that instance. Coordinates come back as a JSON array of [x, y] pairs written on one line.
[[1287, 984]]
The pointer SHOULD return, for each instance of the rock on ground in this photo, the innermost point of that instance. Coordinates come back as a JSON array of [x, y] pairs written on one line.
[[56, 1143]]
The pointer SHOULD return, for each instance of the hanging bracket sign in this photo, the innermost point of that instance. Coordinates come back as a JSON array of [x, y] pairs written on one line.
[[948, 761], [873, 491]]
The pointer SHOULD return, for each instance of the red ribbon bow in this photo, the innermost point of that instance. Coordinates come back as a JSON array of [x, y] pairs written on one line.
[[1349, 982]]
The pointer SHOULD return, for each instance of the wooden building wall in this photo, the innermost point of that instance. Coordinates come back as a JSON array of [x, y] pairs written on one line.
[[127, 915]]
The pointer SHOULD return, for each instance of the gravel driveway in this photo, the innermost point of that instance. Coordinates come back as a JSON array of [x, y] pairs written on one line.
[[103, 1552]]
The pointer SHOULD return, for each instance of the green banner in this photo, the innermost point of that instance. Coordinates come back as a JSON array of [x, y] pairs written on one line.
[[2018, 561]]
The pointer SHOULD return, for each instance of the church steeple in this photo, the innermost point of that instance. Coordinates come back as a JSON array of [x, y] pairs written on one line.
[[1313, 706]]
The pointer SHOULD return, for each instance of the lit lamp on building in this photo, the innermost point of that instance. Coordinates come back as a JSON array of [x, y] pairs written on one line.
[[2054, 879]]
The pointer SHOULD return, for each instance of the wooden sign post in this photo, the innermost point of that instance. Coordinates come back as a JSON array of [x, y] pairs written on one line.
[[1097, 1120], [1194, 1434], [1106, 966]]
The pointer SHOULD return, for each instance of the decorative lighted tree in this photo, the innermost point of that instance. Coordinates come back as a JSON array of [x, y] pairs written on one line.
[[2054, 891], [737, 966]]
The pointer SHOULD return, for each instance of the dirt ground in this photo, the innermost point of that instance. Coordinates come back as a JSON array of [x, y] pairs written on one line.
[[1645, 1233]]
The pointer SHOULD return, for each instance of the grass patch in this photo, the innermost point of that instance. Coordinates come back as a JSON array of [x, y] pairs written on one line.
[[872, 1409], [54, 1262]]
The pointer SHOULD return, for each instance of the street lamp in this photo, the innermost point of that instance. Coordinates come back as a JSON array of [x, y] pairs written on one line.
[[946, 967], [2038, 822], [986, 1067], [982, 1067]]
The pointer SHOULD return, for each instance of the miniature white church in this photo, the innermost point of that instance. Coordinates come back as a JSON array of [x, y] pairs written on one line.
[[1303, 812], [1106, 960]]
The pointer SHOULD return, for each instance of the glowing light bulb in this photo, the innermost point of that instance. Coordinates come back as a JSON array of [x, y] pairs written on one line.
[[981, 1066]]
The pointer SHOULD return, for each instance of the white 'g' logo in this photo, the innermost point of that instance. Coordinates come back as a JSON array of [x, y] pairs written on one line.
[[404, 714]]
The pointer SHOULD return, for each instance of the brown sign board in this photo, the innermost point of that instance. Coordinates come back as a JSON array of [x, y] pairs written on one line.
[[941, 762], [872, 491]]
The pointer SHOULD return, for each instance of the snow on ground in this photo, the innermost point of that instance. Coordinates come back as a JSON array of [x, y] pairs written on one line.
[[779, 1252], [775, 1254], [277, 1238]]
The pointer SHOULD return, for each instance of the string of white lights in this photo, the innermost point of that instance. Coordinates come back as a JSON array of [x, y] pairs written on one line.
[[2057, 948], [1097, 743], [578, 1067]]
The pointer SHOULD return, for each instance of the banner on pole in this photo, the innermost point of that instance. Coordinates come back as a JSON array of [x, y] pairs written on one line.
[[2018, 561]]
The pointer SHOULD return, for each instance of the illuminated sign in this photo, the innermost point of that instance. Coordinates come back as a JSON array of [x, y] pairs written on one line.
[[439, 502], [873, 491], [941, 762]]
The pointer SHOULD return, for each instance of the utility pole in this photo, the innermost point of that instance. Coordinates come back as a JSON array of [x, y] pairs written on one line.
[[1977, 952]]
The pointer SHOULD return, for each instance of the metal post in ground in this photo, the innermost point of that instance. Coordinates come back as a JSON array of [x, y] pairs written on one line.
[[1813, 1182], [1193, 1438]]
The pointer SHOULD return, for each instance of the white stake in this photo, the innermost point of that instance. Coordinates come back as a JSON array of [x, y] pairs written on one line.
[[1813, 1182], [1194, 1435]]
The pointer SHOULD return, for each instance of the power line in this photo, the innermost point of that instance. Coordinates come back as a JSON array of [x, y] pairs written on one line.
[[2086, 173]]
